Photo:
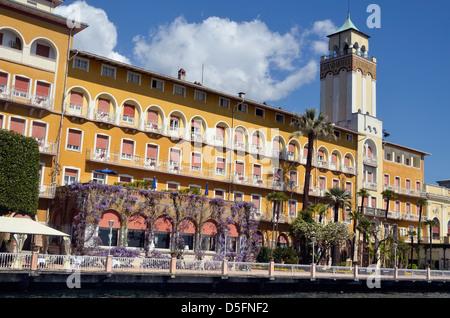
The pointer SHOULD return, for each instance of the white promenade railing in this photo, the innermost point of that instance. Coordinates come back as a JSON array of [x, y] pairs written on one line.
[[137, 265]]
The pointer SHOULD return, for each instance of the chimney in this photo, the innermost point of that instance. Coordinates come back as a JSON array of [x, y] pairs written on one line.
[[182, 74]]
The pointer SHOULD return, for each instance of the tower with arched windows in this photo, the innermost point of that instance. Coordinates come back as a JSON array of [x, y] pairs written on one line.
[[348, 97]]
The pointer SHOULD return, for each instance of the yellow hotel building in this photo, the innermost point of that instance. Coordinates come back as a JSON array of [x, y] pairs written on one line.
[[89, 113]]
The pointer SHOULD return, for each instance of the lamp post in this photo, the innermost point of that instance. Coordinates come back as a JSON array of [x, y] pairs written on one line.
[[313, 241], [395, 255], [111, 224]]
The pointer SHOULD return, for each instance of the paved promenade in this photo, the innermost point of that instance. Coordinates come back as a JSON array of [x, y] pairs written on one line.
[[67, 269]]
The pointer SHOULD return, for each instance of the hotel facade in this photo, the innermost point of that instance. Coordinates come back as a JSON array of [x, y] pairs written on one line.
[[89, 113]]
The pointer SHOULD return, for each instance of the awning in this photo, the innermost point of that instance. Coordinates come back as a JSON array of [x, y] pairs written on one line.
[[26, 226]]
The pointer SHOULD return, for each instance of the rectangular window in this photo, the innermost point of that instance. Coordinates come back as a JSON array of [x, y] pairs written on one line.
[[224, 102], [292, 208], [38, 131], [127, 149], [179, 90], [219, 194], [42, 50], [337, 134], [101, 147], [220, 166], [21, 87], [74, 140], [3, 82], [349, 137], [134, 78], [200, 96], [196, 161], [125, 179], [279, 118], [256, 200], [81, 64], [242, 108], [259, 112], [172, 186], [99, 178], [17, 125], [108, 71], [42, 89], [128, 114], [157, 84], [152, 155], [70, 176]]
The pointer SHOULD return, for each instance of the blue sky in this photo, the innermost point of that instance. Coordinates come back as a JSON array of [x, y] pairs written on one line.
[[274, 49]]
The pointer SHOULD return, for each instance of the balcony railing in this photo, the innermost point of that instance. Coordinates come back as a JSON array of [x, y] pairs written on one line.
[[47, 191], [393, 215], [26, 98], [205, 171], [46, 147], [406, 191]]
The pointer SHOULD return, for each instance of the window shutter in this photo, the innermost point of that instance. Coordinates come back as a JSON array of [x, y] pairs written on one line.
[[38, 130], [102, 142], [17, 125], [74, 138]]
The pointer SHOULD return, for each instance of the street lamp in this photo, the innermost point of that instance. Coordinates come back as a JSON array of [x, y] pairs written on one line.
[[111, 224], [313, 241], [395, 255]]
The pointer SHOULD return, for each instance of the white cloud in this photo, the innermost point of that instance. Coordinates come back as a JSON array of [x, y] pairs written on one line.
[[101, 35], [237, 57]]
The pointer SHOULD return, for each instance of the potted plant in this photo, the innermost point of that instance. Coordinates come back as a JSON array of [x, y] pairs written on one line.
[[35, 248]]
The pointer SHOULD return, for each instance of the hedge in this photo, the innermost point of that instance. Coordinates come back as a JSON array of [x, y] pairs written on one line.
[[19, 174]]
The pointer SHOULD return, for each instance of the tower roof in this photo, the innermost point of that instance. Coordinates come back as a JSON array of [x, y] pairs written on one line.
[[349, 25]]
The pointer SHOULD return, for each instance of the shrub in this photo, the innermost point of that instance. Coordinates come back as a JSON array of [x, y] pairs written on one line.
[[19, 174]]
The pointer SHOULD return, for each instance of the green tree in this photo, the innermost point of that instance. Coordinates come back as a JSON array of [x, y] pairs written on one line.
[[313, 126], [431, 224], [362, 193], [19, 174], [420, 203], [277, 199], [389, 195], [336, 198]]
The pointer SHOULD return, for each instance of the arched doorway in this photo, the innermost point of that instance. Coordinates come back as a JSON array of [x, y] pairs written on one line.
[[162, 229], [109, 218], [136, 231]]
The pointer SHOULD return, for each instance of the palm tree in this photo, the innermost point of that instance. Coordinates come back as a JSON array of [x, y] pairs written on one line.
[[277, 198], [389, 195], [319, 209], [313, 126], [364, 228], [431, 224], [363, 193], [338, 197], [420, 203], [355, 216]]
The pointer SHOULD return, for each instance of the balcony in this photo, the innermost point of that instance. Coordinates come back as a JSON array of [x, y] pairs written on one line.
[[370, 185], [46, 147], [393, 215], [77, 110], [405, 191], [154, 128], [37, 101], [370, 161], [47, 191], [105, 117]]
